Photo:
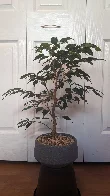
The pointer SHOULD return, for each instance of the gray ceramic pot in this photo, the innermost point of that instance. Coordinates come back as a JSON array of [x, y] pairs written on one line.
[[56, 156]]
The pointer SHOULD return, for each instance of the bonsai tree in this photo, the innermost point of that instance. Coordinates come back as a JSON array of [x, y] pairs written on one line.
[[60, 65]]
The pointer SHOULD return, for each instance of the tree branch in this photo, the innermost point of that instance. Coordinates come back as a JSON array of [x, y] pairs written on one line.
[[44, 124], [47, 103]]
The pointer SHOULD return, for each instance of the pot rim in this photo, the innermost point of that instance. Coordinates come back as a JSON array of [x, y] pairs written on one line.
[[75, 140]]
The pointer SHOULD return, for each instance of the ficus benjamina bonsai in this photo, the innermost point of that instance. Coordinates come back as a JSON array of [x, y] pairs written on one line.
[[60, 65]]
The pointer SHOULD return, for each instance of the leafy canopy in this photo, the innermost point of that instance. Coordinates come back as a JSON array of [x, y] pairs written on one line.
[[61, 62]]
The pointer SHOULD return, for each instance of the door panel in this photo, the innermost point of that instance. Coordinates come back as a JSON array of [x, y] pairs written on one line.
[[68, 16], [91, 124], [13, 141], [97, 118]]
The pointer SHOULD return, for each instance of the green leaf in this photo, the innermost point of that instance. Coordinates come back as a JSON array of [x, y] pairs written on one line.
[[97, 48], [23, 123], [14, 91], [39, 109], [46, 67], [76, 99], [33, 75], [66, 117], [27, 108], [94, 91], [28, 124], [54, 40], [34, 103], [80, 73], [87, 50], [45, 112], [69, 73], [35, 82], [32, 78], [37, 117], [71, 47], [41, 57], [78, 91], [69, 96], [62, 100], [43, 83], [45, 46], [29, 94], [89, 45], [65, 40], [68, 90], [61, 84]]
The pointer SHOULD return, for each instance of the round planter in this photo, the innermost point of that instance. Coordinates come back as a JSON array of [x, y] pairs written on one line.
[[57, 156]]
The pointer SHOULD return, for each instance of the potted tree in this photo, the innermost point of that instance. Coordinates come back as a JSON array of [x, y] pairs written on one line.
[[57, 151]]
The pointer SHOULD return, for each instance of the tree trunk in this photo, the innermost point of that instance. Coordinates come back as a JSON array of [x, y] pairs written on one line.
[[54, 126], [54, 105]]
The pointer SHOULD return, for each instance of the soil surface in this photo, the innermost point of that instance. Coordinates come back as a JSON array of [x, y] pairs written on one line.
[[59, 140]]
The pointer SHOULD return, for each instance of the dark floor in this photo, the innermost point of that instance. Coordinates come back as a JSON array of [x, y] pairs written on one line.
[[20, 178]]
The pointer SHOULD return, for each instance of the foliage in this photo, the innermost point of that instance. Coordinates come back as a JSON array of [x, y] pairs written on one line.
[[59, 66]]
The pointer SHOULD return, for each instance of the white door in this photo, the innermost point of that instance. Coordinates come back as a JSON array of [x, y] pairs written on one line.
[[13, 141], [70, 16], [97, 112]]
